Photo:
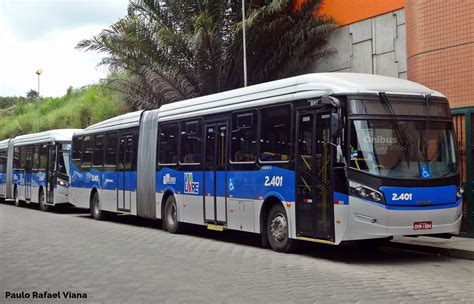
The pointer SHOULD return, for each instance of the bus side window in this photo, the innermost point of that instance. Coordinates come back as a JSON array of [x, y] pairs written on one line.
[[168, 145], [191, 142], [77, 150], [244, 137], [36, 158], [22, 158], [16, 159], [3, 161], [98, 158], [43, 155], [111, 140], [87, 151], [275, 133], [136, 135]]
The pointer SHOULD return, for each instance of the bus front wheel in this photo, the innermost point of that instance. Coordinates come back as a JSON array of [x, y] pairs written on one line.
[[277, 230], [42, 201], [171, 215], [96, 211]]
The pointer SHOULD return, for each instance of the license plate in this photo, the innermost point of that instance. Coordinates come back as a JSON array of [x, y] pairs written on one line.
[[422, 225]]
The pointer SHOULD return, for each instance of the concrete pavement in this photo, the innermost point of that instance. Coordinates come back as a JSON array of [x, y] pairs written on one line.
[[458, 247], [130, 260]]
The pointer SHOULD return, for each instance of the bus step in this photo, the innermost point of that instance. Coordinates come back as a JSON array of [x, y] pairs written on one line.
[[122, 213], [216, 227], [302, 238]]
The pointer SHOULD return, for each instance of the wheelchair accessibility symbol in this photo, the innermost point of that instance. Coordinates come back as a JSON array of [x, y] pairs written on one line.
[[231, 185], [425, 171]]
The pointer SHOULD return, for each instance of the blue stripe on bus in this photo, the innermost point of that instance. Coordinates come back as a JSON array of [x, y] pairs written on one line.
[[256, 184], [416, 196], [37, 178], [105, 180], [340, 199], [413, 208]]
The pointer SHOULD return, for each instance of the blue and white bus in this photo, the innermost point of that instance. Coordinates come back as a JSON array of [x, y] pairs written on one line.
[[3, 168], [328, 158], [35, 168]]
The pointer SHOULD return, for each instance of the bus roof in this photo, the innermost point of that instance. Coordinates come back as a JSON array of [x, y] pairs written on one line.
[[4, 143], [304, 86], [124, 121], [59, 135]]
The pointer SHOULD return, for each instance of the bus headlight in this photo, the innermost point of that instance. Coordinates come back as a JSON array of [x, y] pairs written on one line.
[[459, 192], [366, 192], [63, 183]]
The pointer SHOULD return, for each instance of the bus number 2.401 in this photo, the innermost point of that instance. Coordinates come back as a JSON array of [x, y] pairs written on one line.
[[274, 181], [402, 197]]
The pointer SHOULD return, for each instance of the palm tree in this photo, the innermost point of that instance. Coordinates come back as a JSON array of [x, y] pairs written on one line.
[[169, 50], [32, 94]]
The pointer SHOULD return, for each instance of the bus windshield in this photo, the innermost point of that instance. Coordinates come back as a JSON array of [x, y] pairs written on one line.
[[411, 152]]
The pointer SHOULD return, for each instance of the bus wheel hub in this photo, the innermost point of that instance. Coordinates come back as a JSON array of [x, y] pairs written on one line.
[[278, 227]]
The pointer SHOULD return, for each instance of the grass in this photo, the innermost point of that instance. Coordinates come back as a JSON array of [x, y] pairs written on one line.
[[79, 108]]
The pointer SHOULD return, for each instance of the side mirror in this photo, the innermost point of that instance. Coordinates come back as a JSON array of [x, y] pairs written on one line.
[[336, 125]]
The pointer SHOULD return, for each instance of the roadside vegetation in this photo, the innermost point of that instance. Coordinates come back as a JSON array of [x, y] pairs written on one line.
[[171, 50], [78, 108]]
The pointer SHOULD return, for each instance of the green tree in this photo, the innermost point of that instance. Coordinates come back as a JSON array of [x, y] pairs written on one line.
[[32, 94], [169, 50]]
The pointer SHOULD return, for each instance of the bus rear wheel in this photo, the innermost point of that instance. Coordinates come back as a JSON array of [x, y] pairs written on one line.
[[42, 201], [277, 230], [171, 216], [96, 211]]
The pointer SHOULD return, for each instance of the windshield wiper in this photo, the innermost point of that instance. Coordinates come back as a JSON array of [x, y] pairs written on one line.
[[396, 126]]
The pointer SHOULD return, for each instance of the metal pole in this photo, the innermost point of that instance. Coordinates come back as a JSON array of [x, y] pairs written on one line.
[[37, 105], [38, 72], [244, 43]]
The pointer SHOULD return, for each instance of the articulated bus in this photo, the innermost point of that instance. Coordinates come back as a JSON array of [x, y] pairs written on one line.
[[328, 158], [35, 168]]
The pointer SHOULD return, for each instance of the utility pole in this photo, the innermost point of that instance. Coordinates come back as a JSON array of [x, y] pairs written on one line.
[[38, 72], [244, 43]]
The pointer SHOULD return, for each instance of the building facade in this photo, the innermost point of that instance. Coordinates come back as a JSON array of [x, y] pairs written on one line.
[[427, 41]]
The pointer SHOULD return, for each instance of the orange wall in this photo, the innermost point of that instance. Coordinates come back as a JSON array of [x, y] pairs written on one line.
[[350, 11], [440, 47]]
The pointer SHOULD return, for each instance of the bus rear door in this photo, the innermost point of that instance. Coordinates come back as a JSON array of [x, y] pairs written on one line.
[[28, 173], [124, 173], [314, 207], [51, 174], [215, 188]]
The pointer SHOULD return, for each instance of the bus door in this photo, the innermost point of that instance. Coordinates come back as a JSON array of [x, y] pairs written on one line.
[[215, 177], [124, 173], [28, 173], [51, 174], [314, 207]]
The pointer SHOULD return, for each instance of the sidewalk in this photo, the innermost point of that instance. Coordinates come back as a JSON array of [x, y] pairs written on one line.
[[457, 247]]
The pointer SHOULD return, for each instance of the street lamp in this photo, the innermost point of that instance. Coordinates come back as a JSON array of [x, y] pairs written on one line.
[[38, 72]]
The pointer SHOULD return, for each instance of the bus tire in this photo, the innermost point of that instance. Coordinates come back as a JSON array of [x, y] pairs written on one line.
[[171, 216], [96, 212], [42, 201], [16, 198], [277, 230]]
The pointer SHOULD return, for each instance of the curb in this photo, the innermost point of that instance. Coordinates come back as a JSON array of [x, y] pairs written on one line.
[[450, 252]]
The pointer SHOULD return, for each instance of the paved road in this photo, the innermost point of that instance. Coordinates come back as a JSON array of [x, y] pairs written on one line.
[[133, 261]]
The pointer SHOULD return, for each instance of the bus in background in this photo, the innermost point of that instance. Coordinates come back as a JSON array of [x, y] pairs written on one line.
[[3, 168], [38, 168], [104, 165], [327, 158]]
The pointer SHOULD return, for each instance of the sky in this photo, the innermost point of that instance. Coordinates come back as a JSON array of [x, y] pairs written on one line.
[[42, 34]]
